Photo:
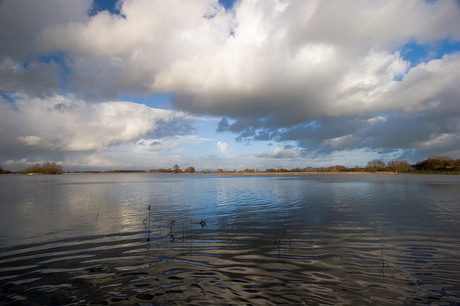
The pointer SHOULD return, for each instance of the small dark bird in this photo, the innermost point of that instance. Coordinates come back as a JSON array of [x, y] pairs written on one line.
[[203, 223]]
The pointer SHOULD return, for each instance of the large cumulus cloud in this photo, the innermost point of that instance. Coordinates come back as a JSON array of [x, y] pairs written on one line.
[[422, 111], [66, 124], [328, 75]]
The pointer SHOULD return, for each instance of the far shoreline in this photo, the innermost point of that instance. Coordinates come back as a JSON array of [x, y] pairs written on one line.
[[247, 173], [304, 173], [434, 165]]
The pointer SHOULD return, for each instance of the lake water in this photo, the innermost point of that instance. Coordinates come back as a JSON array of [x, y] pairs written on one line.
[[209, 239]]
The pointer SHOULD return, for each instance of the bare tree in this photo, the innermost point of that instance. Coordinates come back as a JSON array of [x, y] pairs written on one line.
[[376, 165], [398, 165], [176, 169]]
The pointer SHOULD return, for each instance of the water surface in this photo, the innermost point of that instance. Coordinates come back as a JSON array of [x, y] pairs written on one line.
[[167, 239]]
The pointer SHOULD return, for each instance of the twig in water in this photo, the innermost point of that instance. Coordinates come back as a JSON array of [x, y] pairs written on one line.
[[383, 264], [171, 233], [148, 226]]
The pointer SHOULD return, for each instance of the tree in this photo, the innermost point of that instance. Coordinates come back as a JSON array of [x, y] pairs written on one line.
[[430, 164], [47, 168], [376, 165], [457, 164], [176, 169], [190, 170], [398, 165], [52, 168], [437, 163], [337, 168]]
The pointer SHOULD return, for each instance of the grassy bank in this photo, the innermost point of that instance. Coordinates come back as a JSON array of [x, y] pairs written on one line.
[[303, 173], [449, 172]]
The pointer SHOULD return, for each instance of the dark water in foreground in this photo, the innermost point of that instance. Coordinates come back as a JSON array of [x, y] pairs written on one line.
[[329, 239]]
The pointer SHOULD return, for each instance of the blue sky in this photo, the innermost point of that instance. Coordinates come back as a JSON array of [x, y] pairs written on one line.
[[216, 84]]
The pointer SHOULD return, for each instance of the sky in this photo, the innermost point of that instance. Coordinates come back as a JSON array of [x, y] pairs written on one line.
[[145, 84]]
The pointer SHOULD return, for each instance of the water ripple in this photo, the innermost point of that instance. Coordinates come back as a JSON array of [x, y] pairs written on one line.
[[268, 241]]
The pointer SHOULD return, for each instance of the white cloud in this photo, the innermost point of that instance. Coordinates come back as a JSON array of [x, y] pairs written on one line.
[[286, 48], [66, 124], [430, 85], [280, 153], [283, 59], [30, 140], [22, 161], [222, 147], [280, 70]]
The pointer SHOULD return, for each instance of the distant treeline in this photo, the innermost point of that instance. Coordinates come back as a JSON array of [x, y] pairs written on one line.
[[46, 168], [438, 164], [2, 171], [175, 169]]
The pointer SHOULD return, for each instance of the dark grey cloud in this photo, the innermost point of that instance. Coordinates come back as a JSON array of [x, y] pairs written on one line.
[[420, 112], [34, 78], [22, 21]]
